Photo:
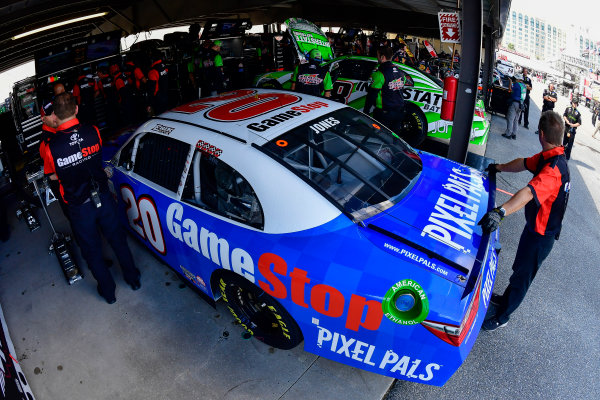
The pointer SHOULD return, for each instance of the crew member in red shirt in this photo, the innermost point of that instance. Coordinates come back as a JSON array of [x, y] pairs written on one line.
[[545, 201], [75, 153], [158, 85]]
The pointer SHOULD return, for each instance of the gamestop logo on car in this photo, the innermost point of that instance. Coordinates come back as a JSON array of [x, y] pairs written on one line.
[[295, 111]]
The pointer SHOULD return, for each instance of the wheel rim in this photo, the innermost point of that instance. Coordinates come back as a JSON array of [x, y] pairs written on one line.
[[256, 314]]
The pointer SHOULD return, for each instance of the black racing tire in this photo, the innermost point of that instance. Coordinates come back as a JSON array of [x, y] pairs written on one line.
[[271, 84], [414, 125], [259, 313]]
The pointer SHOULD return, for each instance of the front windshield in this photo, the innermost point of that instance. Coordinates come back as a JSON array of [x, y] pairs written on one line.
[[359, 164]]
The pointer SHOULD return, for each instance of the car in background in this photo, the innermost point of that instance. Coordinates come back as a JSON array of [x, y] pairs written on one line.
[[351, 76], [315, 225]]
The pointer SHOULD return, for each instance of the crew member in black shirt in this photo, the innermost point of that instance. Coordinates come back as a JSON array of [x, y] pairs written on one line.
[[525, 114], [545, 201], [572, 119], [76, 156], [550, 98]]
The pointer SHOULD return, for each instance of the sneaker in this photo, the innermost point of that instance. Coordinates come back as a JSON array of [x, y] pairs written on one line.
[[514, 137], [526, 127], [506, 136], [492, 324]]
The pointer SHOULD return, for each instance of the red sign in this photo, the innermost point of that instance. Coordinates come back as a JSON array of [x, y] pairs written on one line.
[[449, 27]]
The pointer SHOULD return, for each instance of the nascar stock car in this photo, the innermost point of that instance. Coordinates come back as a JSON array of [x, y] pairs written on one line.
[[315, 223], [351, 78]]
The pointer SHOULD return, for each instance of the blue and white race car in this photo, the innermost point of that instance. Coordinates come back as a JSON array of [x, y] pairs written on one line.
[[315, 223]]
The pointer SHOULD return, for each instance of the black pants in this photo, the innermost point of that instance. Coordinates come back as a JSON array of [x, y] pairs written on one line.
[[568, 143], [85, 220], [532, 251], [525, 113], [393, 120]]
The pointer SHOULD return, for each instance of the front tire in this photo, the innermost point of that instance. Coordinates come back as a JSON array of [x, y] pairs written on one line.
[[259, 313]]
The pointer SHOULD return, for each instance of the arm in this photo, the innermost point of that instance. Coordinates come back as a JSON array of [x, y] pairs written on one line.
[[518, 201], [516, 165], [295, 77], [327, 85], [376, 85]]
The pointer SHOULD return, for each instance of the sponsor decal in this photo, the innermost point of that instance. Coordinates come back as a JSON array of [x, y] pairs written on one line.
[[322, 126], [368, 354], [455, 212], [75, 139], [310, 79], [165, 130], [79, 157], [208, 148], [490, 275], [406, 303], [417, 256], [421, 96], [295, 111], [396, 84], [308, 38], [195, 279]]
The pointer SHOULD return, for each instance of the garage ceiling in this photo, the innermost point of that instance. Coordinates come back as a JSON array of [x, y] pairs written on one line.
[[417, 17]]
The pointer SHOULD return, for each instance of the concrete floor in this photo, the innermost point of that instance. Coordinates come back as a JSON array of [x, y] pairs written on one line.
[[161, 342]]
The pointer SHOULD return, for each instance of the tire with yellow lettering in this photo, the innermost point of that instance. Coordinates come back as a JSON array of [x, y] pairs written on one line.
[[414, 125], [259, 313]]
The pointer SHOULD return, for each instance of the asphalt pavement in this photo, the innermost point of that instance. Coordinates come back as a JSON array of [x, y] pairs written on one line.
[[550, 348]]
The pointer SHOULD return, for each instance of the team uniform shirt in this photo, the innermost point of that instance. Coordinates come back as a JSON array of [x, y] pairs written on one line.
[[75, 155], [550, 187], [85, 89], [527, 81], [311, 78], [158, 78], [573, 115], [389, 81], [549, 105]]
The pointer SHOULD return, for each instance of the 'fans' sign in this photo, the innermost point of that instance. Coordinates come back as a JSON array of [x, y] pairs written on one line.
[[449, 27]]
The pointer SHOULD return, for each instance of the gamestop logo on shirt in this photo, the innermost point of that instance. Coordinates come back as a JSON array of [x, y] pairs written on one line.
[[76, 158]]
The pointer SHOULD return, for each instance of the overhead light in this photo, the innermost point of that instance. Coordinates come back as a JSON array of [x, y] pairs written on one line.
[[71, 21]]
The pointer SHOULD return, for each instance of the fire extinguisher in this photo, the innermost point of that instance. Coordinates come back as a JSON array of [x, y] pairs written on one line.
[[449, 98]]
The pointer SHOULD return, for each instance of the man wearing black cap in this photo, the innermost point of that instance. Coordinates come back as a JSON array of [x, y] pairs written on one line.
[[76, 157], [572, 119]]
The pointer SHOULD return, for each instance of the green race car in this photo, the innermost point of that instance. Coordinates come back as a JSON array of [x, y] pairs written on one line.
[[352, 74]]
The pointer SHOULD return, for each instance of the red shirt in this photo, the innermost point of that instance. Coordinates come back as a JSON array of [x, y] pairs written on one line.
[[550, 187]]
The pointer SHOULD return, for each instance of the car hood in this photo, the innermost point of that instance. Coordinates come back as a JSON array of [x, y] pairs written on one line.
[[435, 225]]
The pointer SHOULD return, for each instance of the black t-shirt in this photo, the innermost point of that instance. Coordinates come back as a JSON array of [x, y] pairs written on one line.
[[573, 116], [76, 154], [527, 81], [549, 105]]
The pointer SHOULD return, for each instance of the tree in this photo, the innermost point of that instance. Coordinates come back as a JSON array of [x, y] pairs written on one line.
[[511, 46]]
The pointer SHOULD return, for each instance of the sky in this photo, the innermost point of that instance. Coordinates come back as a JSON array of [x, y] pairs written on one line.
[[578, 12]]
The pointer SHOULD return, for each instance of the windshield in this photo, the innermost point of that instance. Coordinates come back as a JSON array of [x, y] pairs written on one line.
[[357, 163]]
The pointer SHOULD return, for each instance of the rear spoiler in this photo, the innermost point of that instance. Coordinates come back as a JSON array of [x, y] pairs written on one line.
[[480, 163]]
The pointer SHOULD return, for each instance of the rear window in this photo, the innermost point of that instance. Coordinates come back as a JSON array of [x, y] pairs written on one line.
[[357, 163]]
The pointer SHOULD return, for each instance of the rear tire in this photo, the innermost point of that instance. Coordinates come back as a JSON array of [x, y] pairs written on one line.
[[414, 125], [259, 313]]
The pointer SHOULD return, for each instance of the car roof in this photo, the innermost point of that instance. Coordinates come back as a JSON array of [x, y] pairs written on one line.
[[254, 116]]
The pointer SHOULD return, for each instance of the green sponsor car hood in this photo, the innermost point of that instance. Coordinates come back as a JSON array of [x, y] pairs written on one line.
[[307, 36]]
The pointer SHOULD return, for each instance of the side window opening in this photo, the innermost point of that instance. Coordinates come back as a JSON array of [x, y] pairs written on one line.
[[161, 159], [213, 185], [126, 153]]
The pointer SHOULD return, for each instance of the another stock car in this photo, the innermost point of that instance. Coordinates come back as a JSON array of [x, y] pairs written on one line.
[[313, 222], [351, 76]]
